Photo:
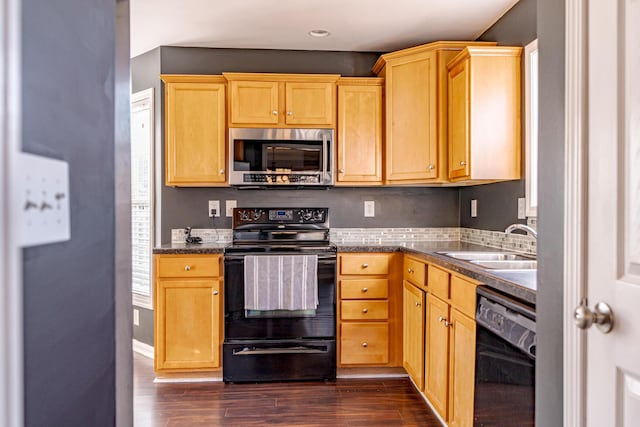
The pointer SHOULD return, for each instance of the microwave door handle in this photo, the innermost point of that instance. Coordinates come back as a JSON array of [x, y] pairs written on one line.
[[325, 148]]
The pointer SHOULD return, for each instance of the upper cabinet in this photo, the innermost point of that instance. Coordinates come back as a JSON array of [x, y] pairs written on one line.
[[484, 114], [359, 131], [282, 100], [195, 132], [416, 111]]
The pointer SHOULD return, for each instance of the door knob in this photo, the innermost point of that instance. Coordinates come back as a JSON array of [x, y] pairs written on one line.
[[602, 316]]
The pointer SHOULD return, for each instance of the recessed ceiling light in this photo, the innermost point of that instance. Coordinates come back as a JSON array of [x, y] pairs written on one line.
[[319, 33]]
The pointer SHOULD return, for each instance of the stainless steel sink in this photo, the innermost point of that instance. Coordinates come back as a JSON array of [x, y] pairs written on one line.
[[486, 256], [520, 264]]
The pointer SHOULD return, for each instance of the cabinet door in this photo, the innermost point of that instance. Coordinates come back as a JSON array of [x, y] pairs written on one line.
[[459, 108], [195, 134], [411, 133], [254, 103], [187, 324], [436, 357], [413, 333], [462, 369], [359, 134], [310, 103]]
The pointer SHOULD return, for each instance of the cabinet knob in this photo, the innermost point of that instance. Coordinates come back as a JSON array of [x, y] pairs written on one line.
[[187, 267], [216, 292], [289, 113], [448, 324], [364, 290], [341, 170], [364, 344], [418, 304], [365, 265], [274, 112], [221, 171], [432, 167], [365, 310], [410, 270], [463, 163], [441, 319]]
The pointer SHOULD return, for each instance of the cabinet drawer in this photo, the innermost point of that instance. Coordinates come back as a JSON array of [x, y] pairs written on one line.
[[188, 266], [463, 295], [414, 271], [365, 264], [438, 282], [364, 310], [364, 288], [364, 343]]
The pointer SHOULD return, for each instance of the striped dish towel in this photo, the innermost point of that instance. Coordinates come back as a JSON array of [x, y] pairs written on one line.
[[281, 282]]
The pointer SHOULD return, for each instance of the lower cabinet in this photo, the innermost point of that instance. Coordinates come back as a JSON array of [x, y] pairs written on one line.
[[369, 310], [447, 345], [188, 313]]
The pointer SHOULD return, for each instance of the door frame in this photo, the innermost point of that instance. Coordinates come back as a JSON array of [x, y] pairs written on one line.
[[11, 321], [575, 211]]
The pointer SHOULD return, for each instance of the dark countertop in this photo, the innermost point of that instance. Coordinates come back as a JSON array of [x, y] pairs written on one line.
[[521, 285], [185, 248]]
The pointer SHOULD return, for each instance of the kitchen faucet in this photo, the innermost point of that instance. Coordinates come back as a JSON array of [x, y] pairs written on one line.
[[521, 227]]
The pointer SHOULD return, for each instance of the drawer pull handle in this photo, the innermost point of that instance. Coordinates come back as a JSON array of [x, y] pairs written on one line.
[[365, 265], [364, 290], [215, 292], [187, 267], [364, 344], [365, 310], [418, 304]]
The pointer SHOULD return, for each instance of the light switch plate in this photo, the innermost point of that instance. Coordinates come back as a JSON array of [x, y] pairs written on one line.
[[521, 208], [369, 208], [41, 200], [214, 204], [229, 205], [474, 208]]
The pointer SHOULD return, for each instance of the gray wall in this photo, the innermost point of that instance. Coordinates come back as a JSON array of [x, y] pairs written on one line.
[[498, 203], [550, 299], [68, 59]]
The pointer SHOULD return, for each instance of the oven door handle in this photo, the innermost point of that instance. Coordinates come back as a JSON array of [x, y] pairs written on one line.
[[322, 258], [290, 350]]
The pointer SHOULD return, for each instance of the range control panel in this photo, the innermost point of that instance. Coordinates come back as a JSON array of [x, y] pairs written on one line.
[[244, 216]]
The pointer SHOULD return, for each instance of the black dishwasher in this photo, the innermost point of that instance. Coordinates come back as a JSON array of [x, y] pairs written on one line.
[[505, 361]]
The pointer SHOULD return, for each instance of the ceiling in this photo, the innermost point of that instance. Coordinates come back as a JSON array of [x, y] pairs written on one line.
[[355, 25]]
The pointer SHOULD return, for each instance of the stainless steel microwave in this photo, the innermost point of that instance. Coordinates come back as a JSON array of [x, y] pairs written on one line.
[[281, 157]]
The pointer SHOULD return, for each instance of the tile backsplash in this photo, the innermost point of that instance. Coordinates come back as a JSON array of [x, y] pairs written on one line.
[[494, 239]]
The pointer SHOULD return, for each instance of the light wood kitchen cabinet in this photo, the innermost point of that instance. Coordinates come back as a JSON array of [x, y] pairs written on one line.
[[195, 132], [413, 333], [282, 100], [484, 114], [416, 111], [188, 313], [369, 310], [461, 369], [437, 354], [359, 131]]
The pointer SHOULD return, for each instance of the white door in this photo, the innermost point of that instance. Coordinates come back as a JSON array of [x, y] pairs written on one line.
[[613, 215]]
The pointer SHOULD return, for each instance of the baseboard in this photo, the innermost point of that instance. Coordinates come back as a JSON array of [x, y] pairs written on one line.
[[370, 373], [189, 377], [144, 349]]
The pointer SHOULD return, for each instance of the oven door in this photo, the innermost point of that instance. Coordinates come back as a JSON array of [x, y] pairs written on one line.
[[241, 324]]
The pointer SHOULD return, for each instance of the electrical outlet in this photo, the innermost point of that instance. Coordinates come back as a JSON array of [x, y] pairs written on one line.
[[41, 200], [229, 205], [474, 208], [522, 208], [369, 208], [214, 208], [136, 317]]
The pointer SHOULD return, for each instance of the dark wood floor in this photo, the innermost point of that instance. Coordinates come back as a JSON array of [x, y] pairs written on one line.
[[392, 402]]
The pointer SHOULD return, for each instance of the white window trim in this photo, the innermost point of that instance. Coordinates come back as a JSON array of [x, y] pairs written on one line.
[[531, 211], [147, 96], [11, 313]]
